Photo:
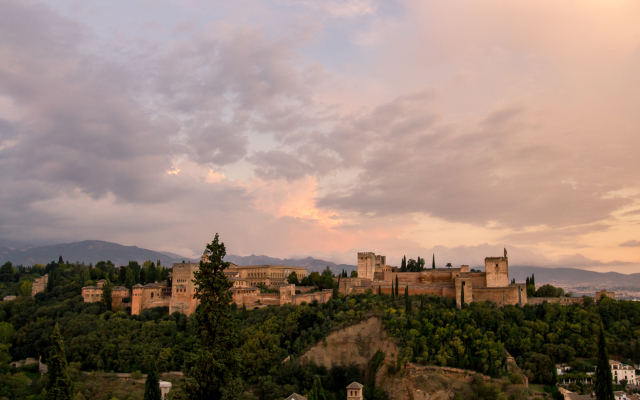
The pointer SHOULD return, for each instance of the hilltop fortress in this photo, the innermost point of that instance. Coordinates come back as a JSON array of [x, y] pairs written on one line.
[[493, 284], [373, 274]]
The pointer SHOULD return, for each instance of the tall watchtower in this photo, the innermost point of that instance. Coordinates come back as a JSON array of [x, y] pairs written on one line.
[[366, 265], [354, 391], [497, 271]]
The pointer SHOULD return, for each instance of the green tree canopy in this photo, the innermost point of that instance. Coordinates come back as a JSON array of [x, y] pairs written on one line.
[[604, 378], [214, 370], [107, 295], [293, 278], [152, 384], [60, 386]]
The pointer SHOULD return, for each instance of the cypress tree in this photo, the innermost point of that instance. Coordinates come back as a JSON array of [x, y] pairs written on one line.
[[392, 292], [213, 372], [106, 297], [397, 292], [152, 384], [60, 386], [403, 264], [407, 299], [51, 280], [604, 378], [129, 280], [317, 392], [379, 291], [533, 279], [433, 262], [419, 264], [527, 281]]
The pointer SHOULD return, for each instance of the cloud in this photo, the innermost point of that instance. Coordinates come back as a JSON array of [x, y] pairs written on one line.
[[630, 243], [276, 125]]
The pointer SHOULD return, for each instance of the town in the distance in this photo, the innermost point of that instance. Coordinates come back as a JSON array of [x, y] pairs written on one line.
[[438, 332]]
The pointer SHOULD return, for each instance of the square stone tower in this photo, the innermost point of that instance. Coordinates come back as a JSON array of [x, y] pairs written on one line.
[[369, 263], [497, 271], [354, 391]]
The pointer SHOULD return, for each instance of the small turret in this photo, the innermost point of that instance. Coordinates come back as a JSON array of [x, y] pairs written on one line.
[[354, 391]]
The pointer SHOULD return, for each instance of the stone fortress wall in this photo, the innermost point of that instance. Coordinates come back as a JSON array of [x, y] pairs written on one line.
[[373, 274], [39, 284], [493, 284], [93, 294]]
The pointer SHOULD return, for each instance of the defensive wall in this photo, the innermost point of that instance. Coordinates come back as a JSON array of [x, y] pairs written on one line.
[[492, 284], [39, 284], [565, 301]]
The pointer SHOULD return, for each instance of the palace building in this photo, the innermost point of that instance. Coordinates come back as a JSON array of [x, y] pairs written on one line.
[[492, 284]]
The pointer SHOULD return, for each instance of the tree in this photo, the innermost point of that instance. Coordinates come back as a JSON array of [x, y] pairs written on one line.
[[6, 272], [448, 265], [293, 278], [392, 291], [106, 297], [433, 262], [407, 299], [60, 260], [354, 274], [129, 280], [214, 370], [604, 378], [25, 289], [6, 332], [152, 384], [60, 386], [51, 281], [326, 279], [397, 293], [403, 264], [316, 392]]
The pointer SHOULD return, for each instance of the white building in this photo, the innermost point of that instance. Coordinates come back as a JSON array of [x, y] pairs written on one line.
[[621, 371], [165, 388], [562, 369]]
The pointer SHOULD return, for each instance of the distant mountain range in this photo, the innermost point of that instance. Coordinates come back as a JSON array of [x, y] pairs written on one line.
[[311, 264], [92, 251], [87, 251], [572, 276]]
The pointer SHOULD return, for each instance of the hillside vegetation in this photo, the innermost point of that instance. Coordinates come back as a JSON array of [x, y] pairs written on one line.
[[426, 330]]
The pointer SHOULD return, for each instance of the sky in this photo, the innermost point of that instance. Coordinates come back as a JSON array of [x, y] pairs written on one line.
[[296, 128]]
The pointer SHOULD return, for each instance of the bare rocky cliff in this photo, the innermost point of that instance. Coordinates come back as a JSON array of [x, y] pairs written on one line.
[[358, 343], [355, 344]]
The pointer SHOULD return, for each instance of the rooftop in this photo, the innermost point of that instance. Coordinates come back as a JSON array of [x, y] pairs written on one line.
[[355, 385], [296, 396]]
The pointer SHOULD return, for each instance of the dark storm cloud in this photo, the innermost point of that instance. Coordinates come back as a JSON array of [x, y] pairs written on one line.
[[81, 129], [102, 126]]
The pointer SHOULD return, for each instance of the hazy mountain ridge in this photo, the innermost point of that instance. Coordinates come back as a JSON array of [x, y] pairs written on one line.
[[87, 251], [573, 276], [310, 263]]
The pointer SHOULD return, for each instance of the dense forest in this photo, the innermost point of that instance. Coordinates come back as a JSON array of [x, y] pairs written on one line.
[[429, 329]]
